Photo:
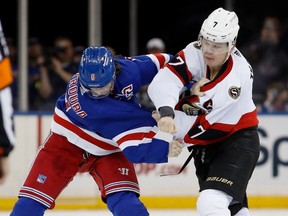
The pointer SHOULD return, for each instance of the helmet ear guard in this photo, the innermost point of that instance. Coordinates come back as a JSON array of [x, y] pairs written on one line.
[[221, 26], [96, 68]]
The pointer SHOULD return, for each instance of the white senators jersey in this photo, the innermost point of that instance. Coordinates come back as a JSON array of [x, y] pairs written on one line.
[[228, 97]]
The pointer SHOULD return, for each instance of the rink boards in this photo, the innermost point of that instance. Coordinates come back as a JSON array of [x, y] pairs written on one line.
[[268, 186]]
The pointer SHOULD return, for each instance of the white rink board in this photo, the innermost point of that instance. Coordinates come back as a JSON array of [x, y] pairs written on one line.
[[269, 179]]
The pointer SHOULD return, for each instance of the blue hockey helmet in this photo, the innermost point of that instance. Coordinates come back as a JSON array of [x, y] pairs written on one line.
[[96, 67]]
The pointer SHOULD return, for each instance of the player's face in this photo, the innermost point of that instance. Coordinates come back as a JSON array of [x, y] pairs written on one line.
[[214, 53], [104, 91]]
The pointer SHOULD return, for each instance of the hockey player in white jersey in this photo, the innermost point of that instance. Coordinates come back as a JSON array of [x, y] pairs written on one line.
[[226, 143], [95, 123]]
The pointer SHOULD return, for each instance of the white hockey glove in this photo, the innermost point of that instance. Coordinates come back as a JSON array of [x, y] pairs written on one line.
[[175, 148]]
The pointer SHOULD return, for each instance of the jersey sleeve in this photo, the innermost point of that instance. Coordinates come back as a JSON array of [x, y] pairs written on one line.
[[145, 145], [165, 88], [148, 65], [171, 80]]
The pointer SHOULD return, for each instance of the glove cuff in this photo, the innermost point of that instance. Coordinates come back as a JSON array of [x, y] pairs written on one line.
[[166, 111]]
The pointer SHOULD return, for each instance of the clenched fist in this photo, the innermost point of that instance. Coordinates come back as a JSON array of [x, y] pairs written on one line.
[[175, 148], [196, 88], [167, 124]]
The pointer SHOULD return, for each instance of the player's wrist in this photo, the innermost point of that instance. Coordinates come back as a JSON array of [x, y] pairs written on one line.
[[166, 111]]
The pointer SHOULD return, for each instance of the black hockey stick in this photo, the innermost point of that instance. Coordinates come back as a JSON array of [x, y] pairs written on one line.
[[183, 167]]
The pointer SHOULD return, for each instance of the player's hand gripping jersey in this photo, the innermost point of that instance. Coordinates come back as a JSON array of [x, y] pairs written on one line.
[[232, 87], [114, 123]]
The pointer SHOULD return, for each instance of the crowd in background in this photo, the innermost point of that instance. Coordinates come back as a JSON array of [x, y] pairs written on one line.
[[268, 55], [49, 68]]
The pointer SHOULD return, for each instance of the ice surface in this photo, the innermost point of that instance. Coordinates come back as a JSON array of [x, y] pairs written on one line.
[[158, 212]]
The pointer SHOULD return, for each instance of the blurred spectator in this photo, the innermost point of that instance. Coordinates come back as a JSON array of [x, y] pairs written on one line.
[[35, 83], [48, 71], [63, 63], [154, 45], [78, 50], [276, 100], [58, 68], [12, 52], [35, 56], [267, 57]]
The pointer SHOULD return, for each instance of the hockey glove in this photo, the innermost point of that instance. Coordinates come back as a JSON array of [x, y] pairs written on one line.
[[175, 148], [191, 106], [166, 122]]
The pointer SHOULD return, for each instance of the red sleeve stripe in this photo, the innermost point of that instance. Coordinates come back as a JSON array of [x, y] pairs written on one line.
[[246, 121], [136, 136], [71, 127], [161, 59]]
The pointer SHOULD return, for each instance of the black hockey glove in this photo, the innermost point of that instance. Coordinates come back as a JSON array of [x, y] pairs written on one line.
[[191, 106]]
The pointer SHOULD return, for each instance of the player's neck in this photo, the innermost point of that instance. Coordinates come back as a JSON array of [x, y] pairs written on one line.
[[213, 72]]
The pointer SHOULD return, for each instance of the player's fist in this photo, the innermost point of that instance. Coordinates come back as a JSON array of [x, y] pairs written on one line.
[[167, 124], [175, 148], [196, 88]]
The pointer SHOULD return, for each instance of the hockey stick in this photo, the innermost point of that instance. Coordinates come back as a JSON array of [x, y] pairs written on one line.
[[183, 166]]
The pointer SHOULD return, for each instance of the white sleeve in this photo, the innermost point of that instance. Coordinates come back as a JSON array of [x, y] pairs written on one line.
[[165, 88], [183, 124]]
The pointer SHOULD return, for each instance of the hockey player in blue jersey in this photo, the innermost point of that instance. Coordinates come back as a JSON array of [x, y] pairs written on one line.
[[89, 134], [86, 105]]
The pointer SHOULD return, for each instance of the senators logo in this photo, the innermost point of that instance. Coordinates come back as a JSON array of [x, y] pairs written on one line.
[[234, 92]]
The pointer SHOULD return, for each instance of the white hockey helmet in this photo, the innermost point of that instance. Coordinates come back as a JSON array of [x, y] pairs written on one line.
[[221, 26]]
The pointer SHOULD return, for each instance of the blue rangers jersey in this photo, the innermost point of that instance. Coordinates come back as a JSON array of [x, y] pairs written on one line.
[[111, 124]]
